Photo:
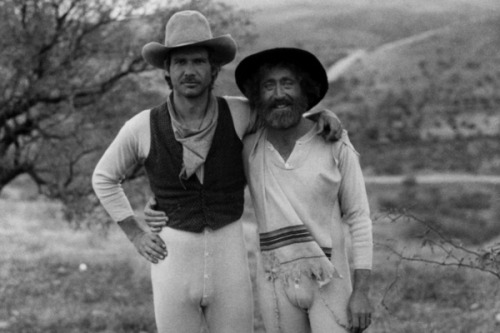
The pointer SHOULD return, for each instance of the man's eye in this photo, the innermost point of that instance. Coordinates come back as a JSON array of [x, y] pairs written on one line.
[[268, 86]]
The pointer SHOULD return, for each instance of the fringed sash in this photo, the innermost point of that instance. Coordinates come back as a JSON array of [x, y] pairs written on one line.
[[291, 252]]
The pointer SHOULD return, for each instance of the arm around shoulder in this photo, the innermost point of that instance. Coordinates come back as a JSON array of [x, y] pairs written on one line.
[[244, 117]]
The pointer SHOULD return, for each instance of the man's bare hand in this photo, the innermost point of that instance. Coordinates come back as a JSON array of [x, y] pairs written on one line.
[[359, 308], [360, 312], [328, 122], [150, 246], [155, 219]]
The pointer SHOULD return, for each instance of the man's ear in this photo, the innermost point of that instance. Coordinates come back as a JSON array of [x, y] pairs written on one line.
[[215, 70]]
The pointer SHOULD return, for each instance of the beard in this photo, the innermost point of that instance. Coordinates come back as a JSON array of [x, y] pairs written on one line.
[[271, 116]]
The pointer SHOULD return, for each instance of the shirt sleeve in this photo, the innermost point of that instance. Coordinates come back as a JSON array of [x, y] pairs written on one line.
[[127, 150], [244, 118], [354, 205]]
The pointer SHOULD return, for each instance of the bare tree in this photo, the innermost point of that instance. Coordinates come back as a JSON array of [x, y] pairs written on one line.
[[69, 68]]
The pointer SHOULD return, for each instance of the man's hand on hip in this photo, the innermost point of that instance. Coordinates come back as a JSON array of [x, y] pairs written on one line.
[[150, 246], [155, 219]]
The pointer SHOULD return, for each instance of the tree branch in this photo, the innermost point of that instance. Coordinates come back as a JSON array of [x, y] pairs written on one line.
[[452, 253]]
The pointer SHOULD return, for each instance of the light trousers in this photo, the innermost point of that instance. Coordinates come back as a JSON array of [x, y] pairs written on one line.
[[303, 307], [204, 279]]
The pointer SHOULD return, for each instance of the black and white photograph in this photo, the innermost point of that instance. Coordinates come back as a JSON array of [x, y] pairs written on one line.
[[249, 166]]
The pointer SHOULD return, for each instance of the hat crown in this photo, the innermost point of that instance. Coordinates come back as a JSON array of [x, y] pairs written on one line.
[[187, 27]]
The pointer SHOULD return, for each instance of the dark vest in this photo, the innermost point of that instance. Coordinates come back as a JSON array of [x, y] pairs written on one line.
[[190, 205]]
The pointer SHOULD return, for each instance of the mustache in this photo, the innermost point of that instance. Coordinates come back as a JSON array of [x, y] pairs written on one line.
[[274, 102], [190, 79]]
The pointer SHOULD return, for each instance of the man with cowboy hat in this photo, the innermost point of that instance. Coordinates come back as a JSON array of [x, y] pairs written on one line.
[[304, 191], [191, 149]]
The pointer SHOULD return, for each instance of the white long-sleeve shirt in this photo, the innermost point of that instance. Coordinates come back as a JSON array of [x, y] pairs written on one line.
[[320, 185]]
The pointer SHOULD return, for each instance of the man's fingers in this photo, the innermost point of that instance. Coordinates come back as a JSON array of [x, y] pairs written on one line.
[[152, 255], [325, 128], [154, 213], [156, 252], [334, 134], [157, 247], [157, 239], [321, 124], [360, 322], [151, 202], [156, 219], [150, 208], [338, 132], [355, 323], [151, 247], [311, 114], [148, 257], [156, 224], [368, 321]]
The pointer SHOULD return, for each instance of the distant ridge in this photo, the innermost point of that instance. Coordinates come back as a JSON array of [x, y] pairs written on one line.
[[440, 83]]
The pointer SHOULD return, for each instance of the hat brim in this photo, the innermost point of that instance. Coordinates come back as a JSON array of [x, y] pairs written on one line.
[[301, 58], [223, 50]]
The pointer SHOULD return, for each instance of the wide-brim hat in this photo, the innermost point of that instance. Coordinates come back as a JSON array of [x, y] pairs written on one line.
[[249, 66], [190, 28]]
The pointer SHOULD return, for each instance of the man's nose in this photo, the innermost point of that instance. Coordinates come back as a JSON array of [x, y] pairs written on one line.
[[279, 91], [189, 69]]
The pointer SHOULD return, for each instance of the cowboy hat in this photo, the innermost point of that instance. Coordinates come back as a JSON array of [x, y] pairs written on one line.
[[301, 58], [189, 28]]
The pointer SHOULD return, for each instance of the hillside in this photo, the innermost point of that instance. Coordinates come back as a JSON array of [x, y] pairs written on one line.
[[442, 83], [333, 29]]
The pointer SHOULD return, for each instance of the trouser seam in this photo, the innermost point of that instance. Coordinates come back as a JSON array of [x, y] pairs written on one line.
[[344, 325], [276, 307]]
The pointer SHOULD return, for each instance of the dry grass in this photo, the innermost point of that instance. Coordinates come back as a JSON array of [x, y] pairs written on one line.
[[45, 287], [55, 279]]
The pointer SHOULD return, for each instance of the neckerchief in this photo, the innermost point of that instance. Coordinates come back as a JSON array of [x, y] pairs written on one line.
[[195, 142]]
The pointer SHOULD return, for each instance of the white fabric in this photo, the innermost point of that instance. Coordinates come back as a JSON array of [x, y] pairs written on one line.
[[210, 270]]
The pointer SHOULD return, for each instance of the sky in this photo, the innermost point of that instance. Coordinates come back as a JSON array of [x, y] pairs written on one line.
[[248, 4], [264, 3]]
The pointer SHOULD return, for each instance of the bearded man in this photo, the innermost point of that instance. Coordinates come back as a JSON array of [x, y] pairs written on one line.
[[305, 191]]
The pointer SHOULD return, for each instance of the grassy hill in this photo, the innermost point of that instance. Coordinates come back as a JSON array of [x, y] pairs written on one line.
[[443, 82], [333, 28]]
